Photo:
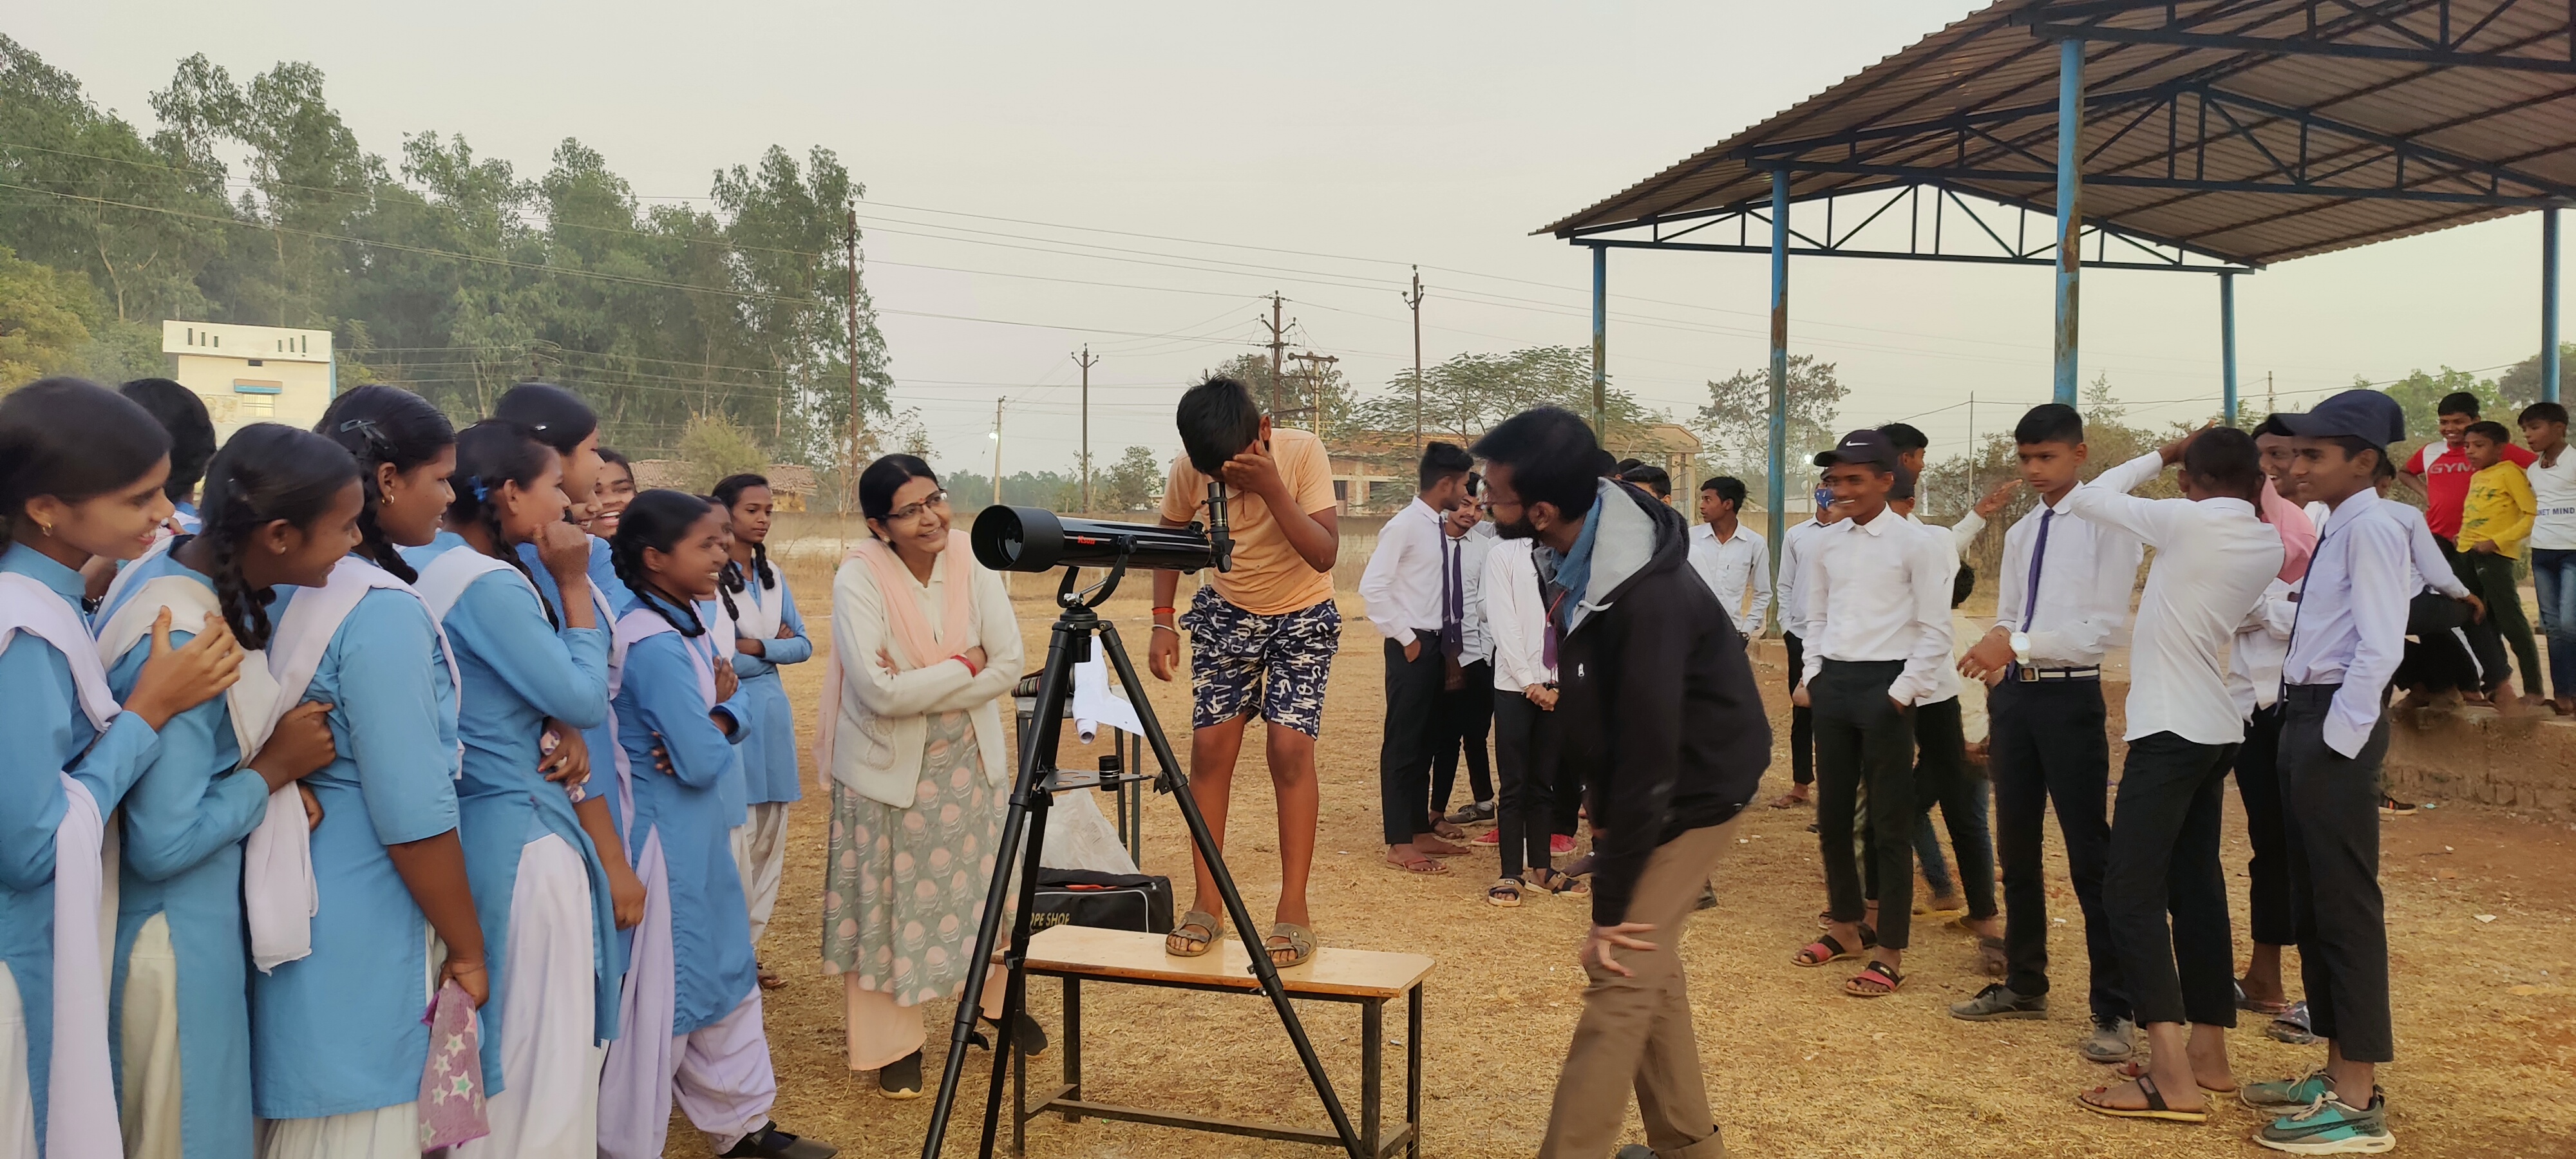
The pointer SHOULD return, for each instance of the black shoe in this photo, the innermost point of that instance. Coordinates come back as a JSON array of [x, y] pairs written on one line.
[[771, 1143], [1030, 1037], [901, 1079], [1998, 1003]]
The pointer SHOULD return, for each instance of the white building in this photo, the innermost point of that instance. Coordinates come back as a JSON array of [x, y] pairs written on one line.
[[253, 374]]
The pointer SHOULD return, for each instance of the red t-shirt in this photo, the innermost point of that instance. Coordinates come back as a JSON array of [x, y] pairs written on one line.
[[2446, 472]]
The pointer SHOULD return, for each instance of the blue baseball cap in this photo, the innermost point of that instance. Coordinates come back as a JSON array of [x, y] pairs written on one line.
[[2361, 413]]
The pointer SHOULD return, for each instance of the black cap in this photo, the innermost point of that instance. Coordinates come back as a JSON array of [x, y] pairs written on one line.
[[1863, 446], [2361, 413]]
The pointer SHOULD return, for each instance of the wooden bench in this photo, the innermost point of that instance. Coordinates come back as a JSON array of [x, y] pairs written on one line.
[[1366, 978]]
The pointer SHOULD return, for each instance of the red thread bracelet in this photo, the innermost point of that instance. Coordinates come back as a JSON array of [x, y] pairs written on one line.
[[1162, 611]]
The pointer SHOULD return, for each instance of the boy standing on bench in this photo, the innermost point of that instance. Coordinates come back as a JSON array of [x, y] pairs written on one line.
[[1264, 634]]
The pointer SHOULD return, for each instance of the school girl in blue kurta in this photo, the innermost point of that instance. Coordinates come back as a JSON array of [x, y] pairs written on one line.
[[337, 1041], [179, 1010], [769, 632], [691, 994], [547, 917], [81, 471]]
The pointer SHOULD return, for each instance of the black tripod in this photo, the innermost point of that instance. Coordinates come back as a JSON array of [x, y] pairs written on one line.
[[1024, 833]]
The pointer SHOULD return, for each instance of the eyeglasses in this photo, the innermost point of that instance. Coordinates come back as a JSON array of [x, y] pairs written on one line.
[[911, 511]]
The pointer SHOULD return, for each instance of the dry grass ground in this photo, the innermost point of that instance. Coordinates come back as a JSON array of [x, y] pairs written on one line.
[[2486, 1017]]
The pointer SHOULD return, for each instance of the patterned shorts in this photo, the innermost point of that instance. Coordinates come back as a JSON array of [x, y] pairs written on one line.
[[1271, 665]]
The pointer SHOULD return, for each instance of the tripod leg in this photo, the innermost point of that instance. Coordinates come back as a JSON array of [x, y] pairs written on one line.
[[1262, 968], [1055, 686], [1015, 993]]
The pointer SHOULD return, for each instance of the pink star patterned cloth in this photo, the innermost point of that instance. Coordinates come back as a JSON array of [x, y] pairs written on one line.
[[451, 1086]]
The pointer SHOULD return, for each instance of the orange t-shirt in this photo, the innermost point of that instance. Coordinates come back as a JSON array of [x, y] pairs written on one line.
[[1269, 577]]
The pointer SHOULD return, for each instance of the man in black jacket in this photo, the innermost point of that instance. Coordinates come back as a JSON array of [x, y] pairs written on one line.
[[1658, 698]]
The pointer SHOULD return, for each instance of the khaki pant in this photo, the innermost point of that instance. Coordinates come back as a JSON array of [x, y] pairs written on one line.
[[1636, 1031]]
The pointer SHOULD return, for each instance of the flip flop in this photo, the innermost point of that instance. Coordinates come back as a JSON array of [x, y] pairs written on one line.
[[1875, 980], [2133, 1070], [1200, 919], [1300, 947], [1832, 951], [1417, 866], [2155, 1108]]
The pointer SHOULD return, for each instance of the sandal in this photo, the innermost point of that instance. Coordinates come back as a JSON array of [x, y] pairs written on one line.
[[1181, 943], [1823, 951], [1423, 864], [1553, 882], [2267, 1007], [1792, 801], [2155, 1108], [2292, 1026], [1875, 980], [1300, 948], [2131, 1070], [1505, 892]]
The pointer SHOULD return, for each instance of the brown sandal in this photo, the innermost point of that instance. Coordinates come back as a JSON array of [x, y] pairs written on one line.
[[1300, 948], [1422, 865], [1875, 980], [1178, 943]]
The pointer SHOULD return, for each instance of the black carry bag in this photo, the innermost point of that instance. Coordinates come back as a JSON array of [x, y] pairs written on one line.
[[1108, 901]]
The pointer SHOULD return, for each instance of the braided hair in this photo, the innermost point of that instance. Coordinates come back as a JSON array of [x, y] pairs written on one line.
[[728, 492], [72, 439], [728, 578], [391, 426], [657, 520], [265, 473], [490, 454]]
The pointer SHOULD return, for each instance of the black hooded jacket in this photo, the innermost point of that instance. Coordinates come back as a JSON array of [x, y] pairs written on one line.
[[1661, 712]]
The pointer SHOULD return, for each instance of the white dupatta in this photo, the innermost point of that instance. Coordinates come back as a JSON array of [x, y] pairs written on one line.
[[80, 1102]]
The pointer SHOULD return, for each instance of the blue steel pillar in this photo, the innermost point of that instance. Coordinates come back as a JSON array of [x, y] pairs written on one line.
[[1779, 462], [2549, 369], [2227, 342], [1600, 345], [2070, 207]]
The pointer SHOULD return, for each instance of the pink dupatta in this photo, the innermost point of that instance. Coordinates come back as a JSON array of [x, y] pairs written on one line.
[[911, 640]]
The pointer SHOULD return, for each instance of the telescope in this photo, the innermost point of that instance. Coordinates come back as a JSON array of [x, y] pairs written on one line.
[[1035, 539]]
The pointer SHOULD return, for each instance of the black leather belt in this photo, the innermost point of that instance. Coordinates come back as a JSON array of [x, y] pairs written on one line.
[[2027, 675]]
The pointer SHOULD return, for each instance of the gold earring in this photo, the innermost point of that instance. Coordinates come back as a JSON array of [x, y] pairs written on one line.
[[46, 528]]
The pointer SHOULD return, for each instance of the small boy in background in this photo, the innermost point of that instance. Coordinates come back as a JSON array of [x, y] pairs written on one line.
[[2493, 526]]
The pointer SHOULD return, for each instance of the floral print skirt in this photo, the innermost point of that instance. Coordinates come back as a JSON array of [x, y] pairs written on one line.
[[903, 889]]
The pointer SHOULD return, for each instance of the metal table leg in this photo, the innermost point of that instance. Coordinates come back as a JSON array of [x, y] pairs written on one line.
[[1413, 1071], [1372, 1047], [1073, 1043]]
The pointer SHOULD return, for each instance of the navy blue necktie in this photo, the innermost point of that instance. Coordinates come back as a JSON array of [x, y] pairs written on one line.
[[2038, 551]]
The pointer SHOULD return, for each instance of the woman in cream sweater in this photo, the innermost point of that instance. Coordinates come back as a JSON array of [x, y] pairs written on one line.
[[924, 648]]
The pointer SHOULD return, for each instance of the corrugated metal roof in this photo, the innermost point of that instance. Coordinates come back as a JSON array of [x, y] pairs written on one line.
[[2505, 133]]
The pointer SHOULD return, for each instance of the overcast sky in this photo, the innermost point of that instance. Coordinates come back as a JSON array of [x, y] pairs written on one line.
[[1326, 146]]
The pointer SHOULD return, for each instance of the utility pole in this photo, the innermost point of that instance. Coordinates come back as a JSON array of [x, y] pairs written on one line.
[[1278, 346], [850, 475], [1414, 302], [1086, 362], [1315, 376], [997, 449]]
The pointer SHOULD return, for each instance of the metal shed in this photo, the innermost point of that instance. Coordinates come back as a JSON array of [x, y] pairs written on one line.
[[2208, 136]]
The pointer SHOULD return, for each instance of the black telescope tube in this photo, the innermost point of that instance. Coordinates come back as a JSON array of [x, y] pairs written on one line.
[[1035, 539]]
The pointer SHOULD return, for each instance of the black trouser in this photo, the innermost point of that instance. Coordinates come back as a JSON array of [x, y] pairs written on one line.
[[1525, 760], [2164, 860], [2485, 642], [2438, 658], [1412, 729], [2332, 802], [2495, 584], [1862, 737], [2047, 747], [1941, 777], [1802, 721], [1466, 715], [2258, 784]]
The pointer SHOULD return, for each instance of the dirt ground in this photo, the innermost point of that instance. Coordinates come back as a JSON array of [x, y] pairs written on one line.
[[2482, 924]]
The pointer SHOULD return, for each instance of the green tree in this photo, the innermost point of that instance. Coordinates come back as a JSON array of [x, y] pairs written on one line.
[[1129, 483], [1736, 423], [42, 330], [714, 446], [2519, 386], [1467, 394], [2419, 393]]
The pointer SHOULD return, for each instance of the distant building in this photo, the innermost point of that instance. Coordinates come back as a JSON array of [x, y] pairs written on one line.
[[253, 374]]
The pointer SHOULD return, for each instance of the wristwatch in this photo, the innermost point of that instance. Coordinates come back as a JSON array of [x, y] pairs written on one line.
[[2021, 648]]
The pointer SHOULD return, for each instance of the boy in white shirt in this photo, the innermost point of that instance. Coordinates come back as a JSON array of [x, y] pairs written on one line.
[[1420, 608], [2553, 543], [1730, 557]]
